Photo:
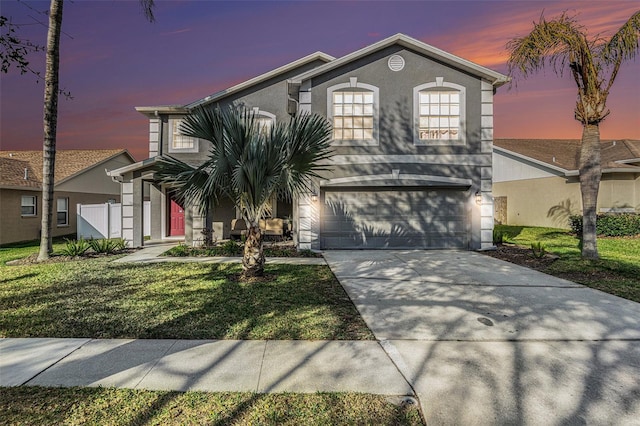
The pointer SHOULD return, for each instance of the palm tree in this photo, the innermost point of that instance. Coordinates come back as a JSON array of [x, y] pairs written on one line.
[[50, 121], [50, 125], [249, 164], [594, 62]]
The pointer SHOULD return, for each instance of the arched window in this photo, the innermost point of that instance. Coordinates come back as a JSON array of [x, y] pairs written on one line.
[[352, 109], [439, 113], [265, 120]]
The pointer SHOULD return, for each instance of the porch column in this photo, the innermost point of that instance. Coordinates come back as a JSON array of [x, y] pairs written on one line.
[[127, 208], [198, 223], [138, 212], [308, 223]]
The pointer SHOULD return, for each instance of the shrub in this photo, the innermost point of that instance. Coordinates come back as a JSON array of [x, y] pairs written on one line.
[[498, 237], [75, 247], [181, 250], [610, 224], [120, 243], [228, 248], [103, 245], [538, 249]]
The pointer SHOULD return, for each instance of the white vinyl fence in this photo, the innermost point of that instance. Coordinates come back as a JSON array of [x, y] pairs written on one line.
[[105, 220]]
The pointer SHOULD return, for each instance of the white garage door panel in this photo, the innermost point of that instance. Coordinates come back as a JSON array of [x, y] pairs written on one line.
[[395, 219]]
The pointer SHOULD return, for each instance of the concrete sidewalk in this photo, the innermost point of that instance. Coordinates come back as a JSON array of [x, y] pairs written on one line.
[[152, 254], [203, 365]]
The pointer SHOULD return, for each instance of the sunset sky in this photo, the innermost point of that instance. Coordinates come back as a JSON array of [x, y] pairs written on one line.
[[112, 59]]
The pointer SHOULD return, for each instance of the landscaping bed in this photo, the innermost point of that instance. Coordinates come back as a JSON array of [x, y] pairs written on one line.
[[616, 272], [232, 248]]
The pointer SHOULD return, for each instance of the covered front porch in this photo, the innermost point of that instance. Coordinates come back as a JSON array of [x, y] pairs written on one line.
[[170, 220]]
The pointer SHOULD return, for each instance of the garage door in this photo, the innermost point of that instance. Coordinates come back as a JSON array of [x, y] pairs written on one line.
[[431, 219]]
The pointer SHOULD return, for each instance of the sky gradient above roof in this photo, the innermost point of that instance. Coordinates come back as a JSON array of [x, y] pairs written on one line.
[[113, 60]]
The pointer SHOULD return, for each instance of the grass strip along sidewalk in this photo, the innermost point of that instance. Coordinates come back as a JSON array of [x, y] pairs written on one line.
[[76, 406]]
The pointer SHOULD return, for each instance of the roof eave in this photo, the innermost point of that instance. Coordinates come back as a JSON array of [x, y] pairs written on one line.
[[133, 167], [161, 109], [262, 77], [533, 160]]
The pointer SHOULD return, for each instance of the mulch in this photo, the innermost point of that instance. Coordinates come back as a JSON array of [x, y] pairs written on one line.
[[521, 256]]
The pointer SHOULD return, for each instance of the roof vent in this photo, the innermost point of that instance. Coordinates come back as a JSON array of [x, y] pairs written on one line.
[[26, 173], [396, 63]]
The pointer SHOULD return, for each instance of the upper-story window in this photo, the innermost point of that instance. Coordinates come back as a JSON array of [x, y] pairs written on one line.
[[439, 113], [179, 142], [352, 108], [263, 119]]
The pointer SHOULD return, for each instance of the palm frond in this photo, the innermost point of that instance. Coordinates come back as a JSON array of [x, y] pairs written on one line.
[[147, 8], [624, 44], [555, 43], [191, 184], [247, 164]]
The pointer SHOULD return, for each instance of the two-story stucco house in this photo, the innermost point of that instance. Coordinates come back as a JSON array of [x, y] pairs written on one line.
[[412, 137]]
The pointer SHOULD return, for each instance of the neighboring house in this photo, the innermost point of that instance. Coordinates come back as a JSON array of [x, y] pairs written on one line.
[[413, 137], [80, 178], [536, 181]]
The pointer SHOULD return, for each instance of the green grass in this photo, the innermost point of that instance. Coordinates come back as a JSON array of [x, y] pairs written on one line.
[[97, 298], [106, 406], [617, 272]]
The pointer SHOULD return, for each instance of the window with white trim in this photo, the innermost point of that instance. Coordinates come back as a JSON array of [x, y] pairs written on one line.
[[62, 211], [179, 142], [352, 109], [28, 205], [352, 115], [439, 113], [263, 119]]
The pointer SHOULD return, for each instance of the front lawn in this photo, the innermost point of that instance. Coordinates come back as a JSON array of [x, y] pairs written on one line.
[[617, 272], [102, 406], [97, 298]]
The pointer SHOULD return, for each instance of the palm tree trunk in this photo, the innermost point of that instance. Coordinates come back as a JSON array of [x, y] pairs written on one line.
[[253, 259], [590, 174], [50, 125]]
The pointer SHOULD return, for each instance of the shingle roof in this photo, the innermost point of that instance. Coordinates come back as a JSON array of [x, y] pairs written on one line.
[[565, 153], [68, 163]]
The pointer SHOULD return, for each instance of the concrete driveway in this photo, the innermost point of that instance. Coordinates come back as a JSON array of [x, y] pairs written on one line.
[[484, 341]]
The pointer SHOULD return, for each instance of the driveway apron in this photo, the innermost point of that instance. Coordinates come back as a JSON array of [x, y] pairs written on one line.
[[484, 341]]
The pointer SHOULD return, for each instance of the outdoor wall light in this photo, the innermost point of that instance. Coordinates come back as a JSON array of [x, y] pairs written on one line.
[[314, 196], [478, 198]]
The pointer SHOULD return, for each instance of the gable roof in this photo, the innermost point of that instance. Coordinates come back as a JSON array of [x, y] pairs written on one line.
[[564, 154], [494, 77], [317, 56], [69, 163]]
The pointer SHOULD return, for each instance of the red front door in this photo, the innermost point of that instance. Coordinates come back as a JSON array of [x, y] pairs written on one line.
[[176, 219]]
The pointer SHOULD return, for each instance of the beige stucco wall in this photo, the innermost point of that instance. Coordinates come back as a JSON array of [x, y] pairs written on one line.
[[621, 190], [548, 201], [14, 227], [96, 181]]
